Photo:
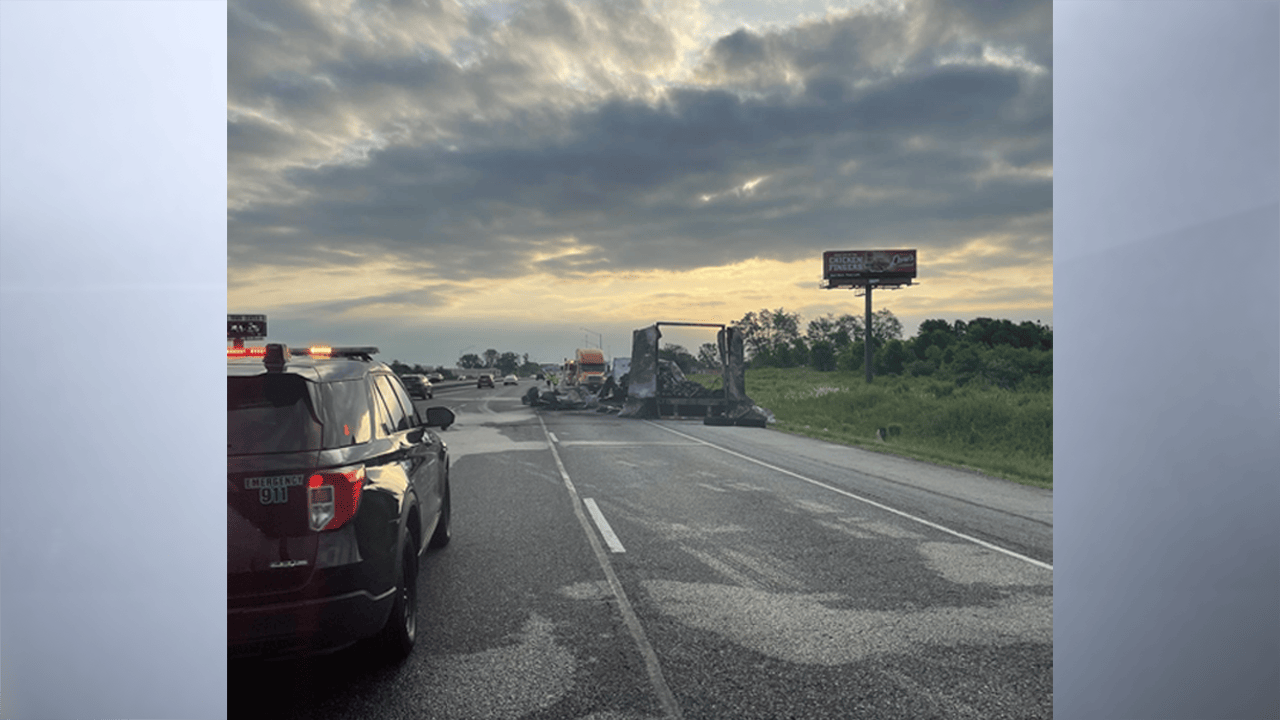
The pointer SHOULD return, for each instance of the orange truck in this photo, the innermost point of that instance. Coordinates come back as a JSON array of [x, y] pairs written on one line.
[[588, 369]]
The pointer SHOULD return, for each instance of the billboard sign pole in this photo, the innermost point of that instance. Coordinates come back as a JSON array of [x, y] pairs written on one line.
[[867, 337], [867, 269]]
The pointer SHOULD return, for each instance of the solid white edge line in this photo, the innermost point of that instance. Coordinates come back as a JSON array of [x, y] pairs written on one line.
[[606, 532], [553, 437], [846, 493], [651, 665], [624, 443]]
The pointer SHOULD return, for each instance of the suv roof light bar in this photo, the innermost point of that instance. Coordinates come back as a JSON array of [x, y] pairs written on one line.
[[364, 352], [317, 351]]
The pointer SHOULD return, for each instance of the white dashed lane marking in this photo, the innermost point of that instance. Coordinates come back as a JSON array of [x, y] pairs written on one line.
[[671, 708], [606, 532]]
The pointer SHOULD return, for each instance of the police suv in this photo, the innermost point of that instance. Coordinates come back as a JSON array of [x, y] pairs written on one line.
[[336, 486]]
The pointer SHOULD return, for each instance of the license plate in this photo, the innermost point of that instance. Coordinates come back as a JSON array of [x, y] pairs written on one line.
[[273, 490], [274, 481]]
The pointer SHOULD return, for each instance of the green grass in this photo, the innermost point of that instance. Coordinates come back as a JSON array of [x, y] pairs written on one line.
[[1004, 433]]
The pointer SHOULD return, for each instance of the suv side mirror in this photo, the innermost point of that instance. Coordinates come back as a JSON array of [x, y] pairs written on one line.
[[441, 417]]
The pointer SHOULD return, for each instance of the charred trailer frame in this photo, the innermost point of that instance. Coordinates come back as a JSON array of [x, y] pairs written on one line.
[[645, 392]]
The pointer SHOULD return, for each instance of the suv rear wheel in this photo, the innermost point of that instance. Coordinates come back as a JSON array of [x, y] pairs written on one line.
[[402, 626]]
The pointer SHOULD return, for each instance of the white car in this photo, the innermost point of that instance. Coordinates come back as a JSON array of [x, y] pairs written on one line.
[[510, 380]]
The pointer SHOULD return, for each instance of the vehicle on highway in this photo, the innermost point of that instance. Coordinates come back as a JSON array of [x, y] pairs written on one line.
[[587, 369], [336, 487], [418, 386], [435, 377], [510, 380], [485, 380]]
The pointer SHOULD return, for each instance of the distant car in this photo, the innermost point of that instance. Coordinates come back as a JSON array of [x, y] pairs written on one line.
[[542, 376], [418, 386], [509, 380], [485, 380], [435, 377], [336, 487]]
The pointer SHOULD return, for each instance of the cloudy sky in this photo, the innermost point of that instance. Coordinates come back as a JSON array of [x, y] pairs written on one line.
[[440, 176]]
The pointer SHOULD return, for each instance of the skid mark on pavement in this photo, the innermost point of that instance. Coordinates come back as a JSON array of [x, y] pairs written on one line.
[[744, 570], [886, 529], [765, 567], [598, 590], [617, 716], [969, 564], [868, 529], [504, 683], [711, 561], [845, 528], [680, 531], [799, 629], [483, 439], [816, 508], [506, 417]]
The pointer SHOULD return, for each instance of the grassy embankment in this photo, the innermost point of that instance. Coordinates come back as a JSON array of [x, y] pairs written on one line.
[[1004, 433]]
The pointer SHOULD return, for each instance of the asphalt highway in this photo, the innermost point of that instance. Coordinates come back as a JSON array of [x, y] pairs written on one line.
[[618, 569]]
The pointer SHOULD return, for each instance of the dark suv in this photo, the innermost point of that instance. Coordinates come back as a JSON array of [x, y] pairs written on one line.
[[335, 488], [418, 386], [485, 380]]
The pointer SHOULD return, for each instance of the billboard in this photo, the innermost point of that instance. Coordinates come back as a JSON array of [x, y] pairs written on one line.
[[858, 266], [246, 327]]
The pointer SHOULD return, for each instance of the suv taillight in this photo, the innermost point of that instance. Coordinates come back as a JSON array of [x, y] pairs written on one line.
[[333, 497]]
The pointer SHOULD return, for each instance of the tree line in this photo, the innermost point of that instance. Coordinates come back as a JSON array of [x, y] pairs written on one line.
[[507, 363], [985, 350]]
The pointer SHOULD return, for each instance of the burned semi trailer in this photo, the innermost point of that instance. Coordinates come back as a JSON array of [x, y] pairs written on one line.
[[656, 388]]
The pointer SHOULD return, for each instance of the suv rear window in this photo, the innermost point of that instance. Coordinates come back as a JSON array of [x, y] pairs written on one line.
[[278, 413]]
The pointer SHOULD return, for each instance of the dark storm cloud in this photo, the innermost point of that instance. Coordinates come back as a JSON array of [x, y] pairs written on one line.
[[253, 137], [740, 49], [851, 149], [342, 308]]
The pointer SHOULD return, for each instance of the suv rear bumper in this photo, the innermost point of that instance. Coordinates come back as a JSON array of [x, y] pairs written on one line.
[[307, 626]]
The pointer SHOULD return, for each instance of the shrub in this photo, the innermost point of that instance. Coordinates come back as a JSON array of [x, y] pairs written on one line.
[[891, 359], [822, 356], [918, 368], [851, 358]]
